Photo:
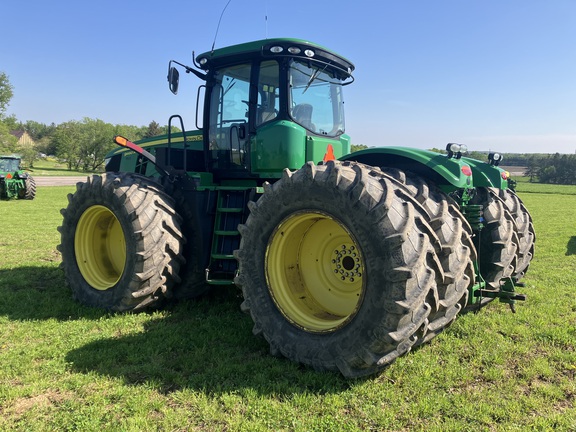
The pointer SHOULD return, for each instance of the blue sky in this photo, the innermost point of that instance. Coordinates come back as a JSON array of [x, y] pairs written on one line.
[[493, 74]]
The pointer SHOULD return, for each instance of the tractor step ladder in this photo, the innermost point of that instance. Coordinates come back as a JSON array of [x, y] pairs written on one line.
[[230, 212]]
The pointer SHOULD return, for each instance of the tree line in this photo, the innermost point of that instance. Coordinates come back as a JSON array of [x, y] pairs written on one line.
[[82, 144], [543, 168], [554, 169]]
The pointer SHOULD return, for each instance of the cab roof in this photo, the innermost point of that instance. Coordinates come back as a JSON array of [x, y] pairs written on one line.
[[271, 48]]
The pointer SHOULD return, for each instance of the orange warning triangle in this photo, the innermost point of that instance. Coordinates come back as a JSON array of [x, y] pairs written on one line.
[[329, 154]]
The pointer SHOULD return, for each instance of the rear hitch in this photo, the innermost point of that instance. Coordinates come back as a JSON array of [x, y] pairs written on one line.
[[506, 293]]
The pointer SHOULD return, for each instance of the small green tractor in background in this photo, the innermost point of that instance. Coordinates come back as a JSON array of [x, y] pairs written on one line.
[[345, 260], [15, 182]]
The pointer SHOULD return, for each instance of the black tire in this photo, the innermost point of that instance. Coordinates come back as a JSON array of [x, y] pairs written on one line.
[[524, 229], [336, 266], [121, 242], [455, 250], [497, 242], [30, 189]]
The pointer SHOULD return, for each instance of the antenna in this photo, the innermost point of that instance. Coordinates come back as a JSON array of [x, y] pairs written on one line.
[[219, 21], [266, 16]]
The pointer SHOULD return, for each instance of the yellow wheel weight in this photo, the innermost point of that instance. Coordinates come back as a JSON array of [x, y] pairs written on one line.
[[314, 270], [100, 247]]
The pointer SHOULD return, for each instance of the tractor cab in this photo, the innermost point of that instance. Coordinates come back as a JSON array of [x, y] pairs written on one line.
[[9, 164], [270, 105]]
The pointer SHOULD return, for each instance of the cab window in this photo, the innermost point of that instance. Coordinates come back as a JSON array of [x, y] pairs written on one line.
[[316, 101], [229, 113], [268, 104]]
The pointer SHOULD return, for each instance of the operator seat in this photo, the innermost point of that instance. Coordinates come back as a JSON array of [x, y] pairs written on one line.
[[302, 113]]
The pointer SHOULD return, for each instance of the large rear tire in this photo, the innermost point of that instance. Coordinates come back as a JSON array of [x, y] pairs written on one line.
[[29, 192], [337, 267], [456, 250], [121, 242]]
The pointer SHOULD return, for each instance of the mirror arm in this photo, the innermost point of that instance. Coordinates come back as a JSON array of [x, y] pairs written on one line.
[[189, 69]]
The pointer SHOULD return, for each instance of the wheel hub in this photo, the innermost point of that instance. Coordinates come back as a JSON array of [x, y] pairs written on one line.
[[346, 263], [100, 247], [314, 271]]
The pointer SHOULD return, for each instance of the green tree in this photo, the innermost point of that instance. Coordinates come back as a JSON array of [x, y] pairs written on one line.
[[42, 135], [532, 167], [37, 131], [66, 139], [6, 93], [8, 142], [357, 147], [547, 174], [83, 145], [96, 141], [133, 133], [153, 130]]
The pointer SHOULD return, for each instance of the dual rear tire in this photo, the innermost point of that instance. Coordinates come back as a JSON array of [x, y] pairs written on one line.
[[342, 268]]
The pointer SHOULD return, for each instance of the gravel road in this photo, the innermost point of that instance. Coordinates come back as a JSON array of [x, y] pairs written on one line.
[[58, 180]]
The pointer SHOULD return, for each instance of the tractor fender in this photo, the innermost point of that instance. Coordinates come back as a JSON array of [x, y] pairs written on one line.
[[486, 175], [435, 167]]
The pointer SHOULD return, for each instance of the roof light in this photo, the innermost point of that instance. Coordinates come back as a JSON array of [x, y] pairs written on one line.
[[294, 50], [495, 158], [456, 150], [309, 53], [276, 49], [453, 147], [203, 61]]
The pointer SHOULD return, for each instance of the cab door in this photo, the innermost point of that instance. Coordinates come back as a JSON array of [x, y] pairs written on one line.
[[228, 133]]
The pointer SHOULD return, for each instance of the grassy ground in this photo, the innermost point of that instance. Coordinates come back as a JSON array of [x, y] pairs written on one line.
[[196, 366]]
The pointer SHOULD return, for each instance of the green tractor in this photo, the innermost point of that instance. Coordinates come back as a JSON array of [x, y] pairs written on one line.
[[345, 260], [15, 182]]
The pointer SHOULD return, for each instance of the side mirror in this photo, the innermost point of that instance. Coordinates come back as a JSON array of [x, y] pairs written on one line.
[[173, 79]]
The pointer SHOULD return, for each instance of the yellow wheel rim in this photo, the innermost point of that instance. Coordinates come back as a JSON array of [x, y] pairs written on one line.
[[314, 270], [100, 247]]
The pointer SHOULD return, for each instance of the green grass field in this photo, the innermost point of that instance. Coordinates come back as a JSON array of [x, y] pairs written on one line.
[[195, 366]]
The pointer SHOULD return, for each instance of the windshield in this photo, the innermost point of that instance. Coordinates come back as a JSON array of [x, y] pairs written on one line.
[[9, 164], [316, 98]]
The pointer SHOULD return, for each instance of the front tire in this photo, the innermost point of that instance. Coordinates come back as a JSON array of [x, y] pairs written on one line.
[[121, 242], [336, 266]]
